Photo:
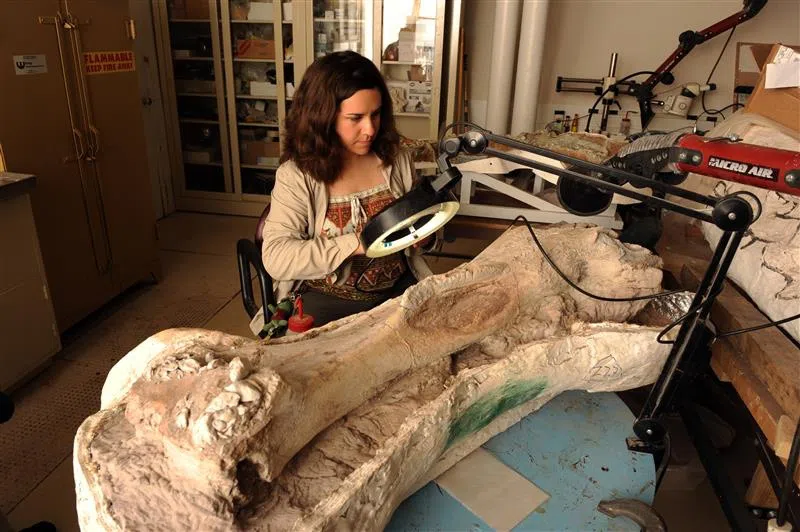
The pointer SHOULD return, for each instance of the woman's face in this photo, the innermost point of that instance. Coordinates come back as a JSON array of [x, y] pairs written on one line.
[[359, 120]]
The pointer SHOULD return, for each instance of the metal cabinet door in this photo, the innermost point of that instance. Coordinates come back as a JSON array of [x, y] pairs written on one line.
[[102, 44], [41, 134]]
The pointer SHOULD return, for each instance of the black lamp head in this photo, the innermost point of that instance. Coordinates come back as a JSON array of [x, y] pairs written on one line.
[[408, 220]]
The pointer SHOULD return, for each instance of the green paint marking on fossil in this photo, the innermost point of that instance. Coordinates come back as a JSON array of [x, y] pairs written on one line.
[[492, 405]]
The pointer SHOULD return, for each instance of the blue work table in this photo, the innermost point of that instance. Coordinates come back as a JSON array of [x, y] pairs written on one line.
[[574, 449]]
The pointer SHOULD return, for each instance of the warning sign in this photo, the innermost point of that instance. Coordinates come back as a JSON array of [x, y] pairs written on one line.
[[109, 62]]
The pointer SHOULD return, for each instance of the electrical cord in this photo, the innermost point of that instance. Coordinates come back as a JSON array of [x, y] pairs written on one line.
[[600, 98], [575, 286], [716, 112], [755, 200], [757, 327], [701, 306], [710, 74], [361, 276]]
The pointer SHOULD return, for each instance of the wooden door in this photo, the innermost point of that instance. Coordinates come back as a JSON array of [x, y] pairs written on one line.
[[41, 134], [112, 110]]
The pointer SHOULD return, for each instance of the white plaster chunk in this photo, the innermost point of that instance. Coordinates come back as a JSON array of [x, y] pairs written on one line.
[[238, 370]]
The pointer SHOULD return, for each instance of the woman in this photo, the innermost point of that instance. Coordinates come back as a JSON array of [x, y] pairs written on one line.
[[341, 164]]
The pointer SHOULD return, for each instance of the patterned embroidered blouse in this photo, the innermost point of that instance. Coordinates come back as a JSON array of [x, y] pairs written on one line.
[[348, 214]]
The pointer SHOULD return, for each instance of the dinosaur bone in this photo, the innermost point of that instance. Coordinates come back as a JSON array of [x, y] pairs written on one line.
[[197, 427]]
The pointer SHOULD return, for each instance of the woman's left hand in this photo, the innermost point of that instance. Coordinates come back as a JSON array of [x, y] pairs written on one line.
[[425, 242]]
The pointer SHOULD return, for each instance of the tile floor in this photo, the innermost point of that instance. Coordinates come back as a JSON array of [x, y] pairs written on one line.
[[199, 289]]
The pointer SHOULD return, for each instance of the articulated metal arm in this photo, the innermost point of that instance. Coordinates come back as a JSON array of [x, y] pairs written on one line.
[[598, 183]]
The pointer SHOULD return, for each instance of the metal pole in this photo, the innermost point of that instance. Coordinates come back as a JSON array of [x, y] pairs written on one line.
[[788, 478], [690, 339], [609, 98]]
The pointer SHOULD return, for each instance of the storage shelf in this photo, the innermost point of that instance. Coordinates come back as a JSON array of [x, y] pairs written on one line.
[[212, 105], [260, 167], [332, 20], [198, 121], [248, 97], [258, 124], [251, 60], [203, 164], [411, 63]]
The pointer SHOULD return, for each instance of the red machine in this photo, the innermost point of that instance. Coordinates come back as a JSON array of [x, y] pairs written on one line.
[[758, 166], [670, 157]]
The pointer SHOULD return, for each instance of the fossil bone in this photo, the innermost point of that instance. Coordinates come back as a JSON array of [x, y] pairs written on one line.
[[366, 408]]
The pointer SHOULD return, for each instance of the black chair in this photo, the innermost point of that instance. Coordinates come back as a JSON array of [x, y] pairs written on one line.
[[248, 253]]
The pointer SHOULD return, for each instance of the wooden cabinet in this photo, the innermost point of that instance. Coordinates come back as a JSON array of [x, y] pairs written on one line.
[[28, 330], [230, 68]]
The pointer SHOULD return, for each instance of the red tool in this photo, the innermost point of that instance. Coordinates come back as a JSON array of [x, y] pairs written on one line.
[[299, 322]]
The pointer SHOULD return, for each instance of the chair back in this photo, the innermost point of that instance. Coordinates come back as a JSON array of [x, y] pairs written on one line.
[[259, 236]]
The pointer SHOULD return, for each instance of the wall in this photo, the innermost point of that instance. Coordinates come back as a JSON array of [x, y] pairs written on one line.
[[582, 34]]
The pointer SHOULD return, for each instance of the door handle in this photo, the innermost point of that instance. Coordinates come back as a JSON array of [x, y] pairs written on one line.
[[147, 101], [96, 138], [104, 260], [77, 137], [80, 146], [80, 73]]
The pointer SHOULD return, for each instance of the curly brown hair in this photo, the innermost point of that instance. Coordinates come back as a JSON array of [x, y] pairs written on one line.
[[310, 138]]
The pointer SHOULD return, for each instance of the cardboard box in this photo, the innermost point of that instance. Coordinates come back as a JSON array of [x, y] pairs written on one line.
[[255, 48], [239, 11], [265, 89], [260, 11], [195, 86], [261, 153], [177, 9], [198, 157], [780, 105], [418, 103], [420, 87], [197, 9]]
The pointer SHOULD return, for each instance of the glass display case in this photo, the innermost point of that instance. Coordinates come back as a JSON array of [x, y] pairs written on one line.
[[229, 69], [199, 95], [340, 25], [411, 63], [261, 80], [231, 78]]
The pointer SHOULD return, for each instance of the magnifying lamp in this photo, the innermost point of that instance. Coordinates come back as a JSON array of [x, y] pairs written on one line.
[[414, 216]]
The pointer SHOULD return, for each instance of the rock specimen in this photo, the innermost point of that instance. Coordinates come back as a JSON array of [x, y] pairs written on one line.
[[334, 428]]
